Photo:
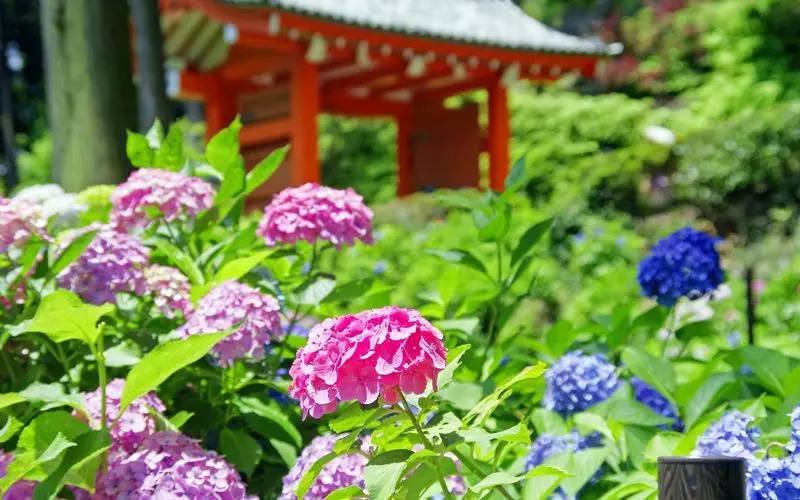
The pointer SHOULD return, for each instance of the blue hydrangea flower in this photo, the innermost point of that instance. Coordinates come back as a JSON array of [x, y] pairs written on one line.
[[577, 381], [684, 264], [380, 267], [730, 436], [795, 419], [547, 446], [651, 398], [773, 478]]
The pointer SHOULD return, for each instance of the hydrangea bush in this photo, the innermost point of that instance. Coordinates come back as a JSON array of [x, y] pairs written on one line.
[[166, 343]]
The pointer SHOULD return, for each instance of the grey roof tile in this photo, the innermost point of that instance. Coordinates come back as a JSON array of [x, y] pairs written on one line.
[[497, 23]]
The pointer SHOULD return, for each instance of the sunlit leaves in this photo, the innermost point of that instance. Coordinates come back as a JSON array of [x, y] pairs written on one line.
[[63, 316]]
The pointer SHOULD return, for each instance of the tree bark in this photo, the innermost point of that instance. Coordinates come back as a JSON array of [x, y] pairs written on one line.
[[10, 176], [91, 100], [153, 103]]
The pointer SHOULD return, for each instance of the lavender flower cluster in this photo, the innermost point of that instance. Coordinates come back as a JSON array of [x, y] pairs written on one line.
[[19, 222], [684, 264], [24, 490], [578, 381], [651, 398], [547, 446], [227, 305], [171, 290]]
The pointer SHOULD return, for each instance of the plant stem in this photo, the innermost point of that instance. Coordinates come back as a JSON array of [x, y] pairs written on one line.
[[100, 356], [229, 377], [474, 468], [425, 441]]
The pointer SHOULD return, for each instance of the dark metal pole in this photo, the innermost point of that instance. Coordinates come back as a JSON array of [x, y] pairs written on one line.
[[711, 478], [6, 108], [751, 306]]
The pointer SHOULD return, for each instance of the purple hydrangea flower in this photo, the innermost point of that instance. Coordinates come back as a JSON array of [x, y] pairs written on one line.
[[344, 470], [730, 436], [171, 290], [578, 381], [175, 195], [684, 264], [547, 446], [316, 213], [654, 400], [19, 221], [773, 478], [113, 263], [794, 416], [136, 422], [169, 465], [227, 305], [23, 490]]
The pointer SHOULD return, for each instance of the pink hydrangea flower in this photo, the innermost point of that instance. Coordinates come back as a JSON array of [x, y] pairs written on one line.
[[175, 195], [136, 422], [341, 472], [113, 263], [23, 490], [226, 306], [19, 221], [171, 290], [365, 356], [169, 465], [316, 213]]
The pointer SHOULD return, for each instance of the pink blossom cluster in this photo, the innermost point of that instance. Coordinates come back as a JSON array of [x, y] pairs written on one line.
[[316, 213], [136, 422], [365, 356], [171, 290], [19, 221], [175, 195], [227, 305], [23, 490], [169, 465], [341, 472], [113, 263]]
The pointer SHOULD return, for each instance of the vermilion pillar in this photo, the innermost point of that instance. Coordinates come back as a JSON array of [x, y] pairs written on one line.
[[221, 104], [305, 108], [499, 136], [404, 155]]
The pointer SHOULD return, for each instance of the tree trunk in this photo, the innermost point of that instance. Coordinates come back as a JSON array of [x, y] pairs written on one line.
[[10, 176], [150, 63], [91, 100]]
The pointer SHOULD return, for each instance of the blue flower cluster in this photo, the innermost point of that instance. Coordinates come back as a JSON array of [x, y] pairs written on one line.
[[731, 436], [577, 381], [547, 446], [684, 264], [651, 398]]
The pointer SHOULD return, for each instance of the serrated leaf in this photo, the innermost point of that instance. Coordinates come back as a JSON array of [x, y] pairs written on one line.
[[707, 395], [548, 422], [63, 316], [170, 154], [138, 149], [315, 292], [258, 407], [122, 355], [516, 434], [486, 407], [626, 411], [382, 473], [656, 372], [10, 429], [496, 226], [662, 445], [583, 464], [351, 290], [529, 239], [86, 453], [163, 361], [241, 449], [353, 416], [264, 169], [180, 260], [53, 394], [461, 257], [28, 462], [235, 269], [10, 399], [560, 337]]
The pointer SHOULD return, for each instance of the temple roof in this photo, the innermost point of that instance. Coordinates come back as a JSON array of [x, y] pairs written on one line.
[[491, 23]]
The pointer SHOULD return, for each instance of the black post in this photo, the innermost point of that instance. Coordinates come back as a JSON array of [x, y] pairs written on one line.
[[6, 109], [711, 478], [751, 306]]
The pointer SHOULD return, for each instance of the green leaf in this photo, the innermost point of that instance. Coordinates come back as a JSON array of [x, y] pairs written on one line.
[[462, 257], [63, 316], [235, 269], [583, 465], [695, 330], [770, 367], [352, 417], [181, 260], [656, 372], [170, 154], [10, 399], [258, 407], [26, 464], [74, 250], [662, 445], [156, 133], [560, 337], [10, 429], [627, 411], [548, 422], [707, 395], [264, 169], [496, 479], [179, 419], [346, 493], [160, 363], [286, 451], [315, 292], [311, 474], [546, 482], [351, 290], [127, 354], [464, 199], [462, 395], [86, 453], [241, 449], [222, 153], [53, 394], [453, 362], [516, 434], [383, 472], [594, 422], [138, 150], [486, 407], [517, 175], [495, 228], [529, 240]]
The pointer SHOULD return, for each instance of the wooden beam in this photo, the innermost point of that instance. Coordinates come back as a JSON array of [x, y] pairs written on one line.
[[406, 82], [265, 132], [242, 69], [362, 78], [443, 92], [499, 135], [405, 159], [260, 41], [338, 104], [305, 108]]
